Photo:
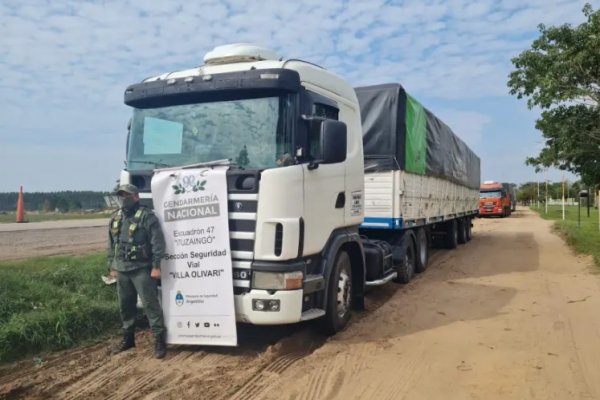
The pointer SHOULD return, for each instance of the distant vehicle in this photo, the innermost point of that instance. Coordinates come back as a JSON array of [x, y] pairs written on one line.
[[496, 199]]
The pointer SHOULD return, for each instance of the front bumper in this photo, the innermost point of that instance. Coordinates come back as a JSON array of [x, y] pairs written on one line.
[[491, 211], [290, 310]]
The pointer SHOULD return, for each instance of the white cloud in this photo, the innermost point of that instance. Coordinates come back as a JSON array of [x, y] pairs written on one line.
[[470, 126], [64, 65]]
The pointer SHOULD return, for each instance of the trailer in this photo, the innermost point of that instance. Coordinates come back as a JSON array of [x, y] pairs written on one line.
[[330, 190], [421, 181]]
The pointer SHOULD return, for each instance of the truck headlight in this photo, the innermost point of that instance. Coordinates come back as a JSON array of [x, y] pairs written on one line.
[[277, 280]]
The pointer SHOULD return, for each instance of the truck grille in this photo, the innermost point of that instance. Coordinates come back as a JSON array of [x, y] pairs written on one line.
[[242, 228], [242, 205]]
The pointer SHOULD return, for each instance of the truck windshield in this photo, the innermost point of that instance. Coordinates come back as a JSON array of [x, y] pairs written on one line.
[[251, 132], [487, 195]]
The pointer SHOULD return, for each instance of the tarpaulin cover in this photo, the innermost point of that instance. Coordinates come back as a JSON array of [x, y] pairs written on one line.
[[399, 133]]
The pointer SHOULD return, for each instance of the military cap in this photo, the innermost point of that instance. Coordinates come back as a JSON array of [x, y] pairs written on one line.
[[128, 188]]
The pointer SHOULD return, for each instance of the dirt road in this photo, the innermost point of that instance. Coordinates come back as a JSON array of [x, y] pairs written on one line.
[[511, 315], [51, 238]]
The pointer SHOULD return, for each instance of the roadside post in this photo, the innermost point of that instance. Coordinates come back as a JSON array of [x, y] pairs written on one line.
[[582, 194], [563, 197], [588, 201]]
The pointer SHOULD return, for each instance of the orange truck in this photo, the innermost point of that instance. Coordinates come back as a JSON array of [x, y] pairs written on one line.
[[495, 199]]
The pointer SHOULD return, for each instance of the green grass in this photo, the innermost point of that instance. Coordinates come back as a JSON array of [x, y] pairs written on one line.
[[38, 217], [54, 303], [584, 239]]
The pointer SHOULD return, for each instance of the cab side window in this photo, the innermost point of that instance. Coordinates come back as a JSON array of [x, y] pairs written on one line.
[[322, 111], [325, 111]]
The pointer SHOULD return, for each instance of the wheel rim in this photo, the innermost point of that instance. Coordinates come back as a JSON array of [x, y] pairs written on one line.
[[344, 290]]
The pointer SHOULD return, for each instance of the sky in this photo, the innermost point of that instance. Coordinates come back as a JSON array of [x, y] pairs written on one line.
[[64, 66]]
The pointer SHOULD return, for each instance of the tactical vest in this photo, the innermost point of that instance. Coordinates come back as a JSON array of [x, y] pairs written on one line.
[[130, 250]]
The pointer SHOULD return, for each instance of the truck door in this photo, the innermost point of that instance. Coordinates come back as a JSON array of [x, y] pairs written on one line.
[[324, 188]]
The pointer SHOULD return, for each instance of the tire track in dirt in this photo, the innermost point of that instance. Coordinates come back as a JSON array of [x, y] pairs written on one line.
[[265, 377], [328, 380], [104, 376], [285, 354]]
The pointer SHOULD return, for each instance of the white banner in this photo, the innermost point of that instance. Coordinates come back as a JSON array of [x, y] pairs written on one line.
[[197, 282]]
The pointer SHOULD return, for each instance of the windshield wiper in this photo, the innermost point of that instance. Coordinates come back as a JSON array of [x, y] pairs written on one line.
[[209, 164], [155, 163]]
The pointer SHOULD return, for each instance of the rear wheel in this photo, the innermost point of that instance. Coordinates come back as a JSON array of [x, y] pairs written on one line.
[[406, 267], [451, 234], [422, 248], [462, 231], [339, 295], [468, 229]]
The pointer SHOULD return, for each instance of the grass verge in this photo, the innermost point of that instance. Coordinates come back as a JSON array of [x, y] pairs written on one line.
[[39, 217], [583, 236], [54, 303]]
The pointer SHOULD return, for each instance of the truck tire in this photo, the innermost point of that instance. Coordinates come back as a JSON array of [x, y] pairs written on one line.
[[461, 237], [469, 229], [407, 265], [422, 250], [451, 234], [339, 295]]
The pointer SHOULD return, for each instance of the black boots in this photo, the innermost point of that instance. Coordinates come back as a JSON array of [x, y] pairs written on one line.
[[127, 343], [160, 346]]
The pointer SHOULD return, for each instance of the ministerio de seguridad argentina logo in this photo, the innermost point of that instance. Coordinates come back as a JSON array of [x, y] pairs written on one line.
[[179, 299]]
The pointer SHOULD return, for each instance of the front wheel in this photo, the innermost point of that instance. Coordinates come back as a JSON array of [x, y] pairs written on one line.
[[339, 295]]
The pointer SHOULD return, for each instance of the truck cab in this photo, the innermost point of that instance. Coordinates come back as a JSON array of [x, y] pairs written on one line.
[[494, 199], [292, 133]]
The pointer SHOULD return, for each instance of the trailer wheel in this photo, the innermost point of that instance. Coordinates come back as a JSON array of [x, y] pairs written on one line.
[[469, 229], [406, 267], [462, 231], [451, 234], [422, 247], [339, 295]]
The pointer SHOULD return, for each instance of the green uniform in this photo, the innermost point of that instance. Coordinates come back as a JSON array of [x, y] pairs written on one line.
[[135, 245]]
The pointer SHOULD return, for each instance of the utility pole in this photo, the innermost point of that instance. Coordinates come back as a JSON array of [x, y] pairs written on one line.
[[538, 196], [546, 202], [563, 196]]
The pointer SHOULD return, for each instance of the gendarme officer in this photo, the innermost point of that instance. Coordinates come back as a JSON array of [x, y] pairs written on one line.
[[136, 246]]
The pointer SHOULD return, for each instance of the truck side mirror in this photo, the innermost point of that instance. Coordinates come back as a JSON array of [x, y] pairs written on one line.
[[327, 141], [334, 139]]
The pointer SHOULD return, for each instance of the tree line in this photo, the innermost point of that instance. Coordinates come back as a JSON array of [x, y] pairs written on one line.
[[530, 192], [55, 201]]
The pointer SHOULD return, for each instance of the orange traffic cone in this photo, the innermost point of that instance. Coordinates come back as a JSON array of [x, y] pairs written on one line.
[[20, 207]]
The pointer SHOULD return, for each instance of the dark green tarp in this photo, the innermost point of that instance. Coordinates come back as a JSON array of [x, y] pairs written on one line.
[[399, 133]]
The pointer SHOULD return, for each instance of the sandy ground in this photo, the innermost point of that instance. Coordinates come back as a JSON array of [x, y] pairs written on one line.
[[36, 239], [511, 315]]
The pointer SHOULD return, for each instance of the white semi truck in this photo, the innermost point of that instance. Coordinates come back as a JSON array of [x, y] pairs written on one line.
[[322, 204]]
